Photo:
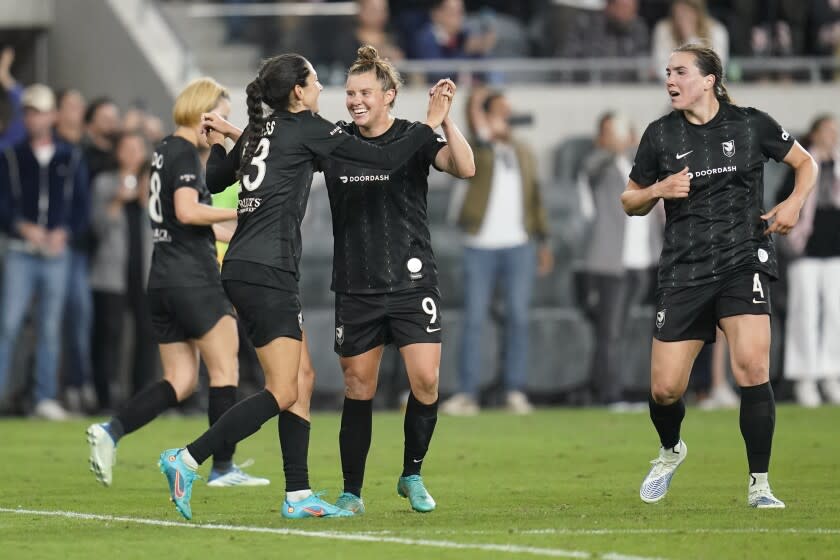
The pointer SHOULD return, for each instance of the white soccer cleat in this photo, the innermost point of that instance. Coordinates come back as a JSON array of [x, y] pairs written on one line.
[[761, 496], [103, 453], [658, 479], [236, 477]]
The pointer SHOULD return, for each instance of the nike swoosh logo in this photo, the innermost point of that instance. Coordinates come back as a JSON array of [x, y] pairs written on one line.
[[759, 301], [317, 512], [431, 330], [417, 460], [179, 486], [680, 156]]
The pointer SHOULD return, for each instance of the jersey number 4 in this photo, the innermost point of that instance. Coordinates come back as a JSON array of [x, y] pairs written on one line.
[[257, 161]]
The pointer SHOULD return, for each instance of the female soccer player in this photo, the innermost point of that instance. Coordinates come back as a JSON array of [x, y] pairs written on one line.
[[190, 312], [260, 271], [384, 274], [706, 160]]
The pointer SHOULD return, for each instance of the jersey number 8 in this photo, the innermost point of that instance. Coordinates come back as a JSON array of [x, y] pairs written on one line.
[[257, 161], [155, 209]]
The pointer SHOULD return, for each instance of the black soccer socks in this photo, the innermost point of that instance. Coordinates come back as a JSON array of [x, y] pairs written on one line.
[[239, 422], [354, 442], [419, 425], [144, 407], [294, 442], [219, 400], [758, 421], [667, 420]]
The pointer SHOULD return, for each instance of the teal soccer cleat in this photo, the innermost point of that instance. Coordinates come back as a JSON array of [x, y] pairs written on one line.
[[412, 487], [313, 506], [350, 502], [180, 478]]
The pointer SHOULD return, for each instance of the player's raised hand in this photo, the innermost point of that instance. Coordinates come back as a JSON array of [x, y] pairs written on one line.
[[785, 215], [439, 104], [217, 128], [675, 186]]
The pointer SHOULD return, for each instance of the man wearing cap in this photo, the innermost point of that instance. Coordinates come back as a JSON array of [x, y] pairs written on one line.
[[43, 201]]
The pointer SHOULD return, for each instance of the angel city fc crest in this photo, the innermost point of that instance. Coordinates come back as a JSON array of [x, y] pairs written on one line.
[[728, 148], [339, 335], [660, 318]]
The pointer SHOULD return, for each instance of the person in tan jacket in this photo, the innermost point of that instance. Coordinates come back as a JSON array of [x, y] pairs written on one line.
[[505, 240]]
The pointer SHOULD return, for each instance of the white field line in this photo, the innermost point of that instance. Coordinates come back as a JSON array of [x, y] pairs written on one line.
[[334, 535], [596, 532]]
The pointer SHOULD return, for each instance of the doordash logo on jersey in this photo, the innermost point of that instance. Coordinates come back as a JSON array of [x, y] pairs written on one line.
[[364, 178]]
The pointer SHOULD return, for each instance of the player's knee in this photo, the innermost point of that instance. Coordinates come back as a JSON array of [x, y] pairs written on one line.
[[306, 378], [285, 396], [183, 384], [224, 374], [665, 393], [425, 386], [752, 372], [358, 385]]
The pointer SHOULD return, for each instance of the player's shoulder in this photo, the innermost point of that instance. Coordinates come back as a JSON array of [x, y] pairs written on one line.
[[668, 121]]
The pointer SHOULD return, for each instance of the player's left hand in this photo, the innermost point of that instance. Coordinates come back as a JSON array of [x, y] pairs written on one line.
[[786, 214], [447, 85]]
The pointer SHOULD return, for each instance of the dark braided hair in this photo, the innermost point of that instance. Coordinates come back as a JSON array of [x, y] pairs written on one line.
[[273, 86], [708, 62]]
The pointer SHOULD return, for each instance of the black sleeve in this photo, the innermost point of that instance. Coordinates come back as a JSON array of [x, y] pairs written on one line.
[[222, 167], [430, 149], [326, 139], [776, 142], [645, 170], [184, 170]]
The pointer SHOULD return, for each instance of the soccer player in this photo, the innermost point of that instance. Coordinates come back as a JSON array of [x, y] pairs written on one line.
[[384, 274], [705, 159], [190, 312], [275, 159]]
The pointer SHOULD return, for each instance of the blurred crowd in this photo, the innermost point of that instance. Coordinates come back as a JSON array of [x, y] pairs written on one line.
[[456, 29]]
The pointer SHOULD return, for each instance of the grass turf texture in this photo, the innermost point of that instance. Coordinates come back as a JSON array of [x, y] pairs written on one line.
[[563, 481]]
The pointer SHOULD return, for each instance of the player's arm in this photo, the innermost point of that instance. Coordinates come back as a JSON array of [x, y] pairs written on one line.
[[456, 158], [638, 200], [805, 171], [224, 230], [222, 166], [190, 211]]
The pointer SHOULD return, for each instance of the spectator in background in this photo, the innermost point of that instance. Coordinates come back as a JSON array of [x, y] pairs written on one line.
[[109, 265], [825, 31], [12, 129], [78, 312], [620, 258], [445, 36], [102, 123], [43, 202], [812, 351], [688, 22], [371, 29], [615, 31], [153, 129], [70, 121], [506, 234]]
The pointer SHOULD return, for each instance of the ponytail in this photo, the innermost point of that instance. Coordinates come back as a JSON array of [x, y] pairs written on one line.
[[256, 122]]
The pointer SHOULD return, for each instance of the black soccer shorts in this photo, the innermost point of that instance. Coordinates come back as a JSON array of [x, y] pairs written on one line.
[[181, 314], [693, 312], [266, 313], [365, 321]]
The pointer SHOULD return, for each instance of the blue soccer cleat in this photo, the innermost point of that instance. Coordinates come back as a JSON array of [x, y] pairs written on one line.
[[350, 502], [180, 478], [313, 506], [412, 487]]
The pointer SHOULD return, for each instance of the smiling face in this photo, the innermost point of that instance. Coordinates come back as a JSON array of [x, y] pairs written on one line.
[[366, 101], [685, 84]]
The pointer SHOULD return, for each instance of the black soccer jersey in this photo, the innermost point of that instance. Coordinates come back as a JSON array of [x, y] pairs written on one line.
[[381, 240], [275, 189], [184, 255], [718, 228]]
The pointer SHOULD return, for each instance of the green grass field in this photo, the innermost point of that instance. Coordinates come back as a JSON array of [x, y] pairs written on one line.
[[560, 483]]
